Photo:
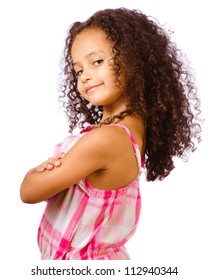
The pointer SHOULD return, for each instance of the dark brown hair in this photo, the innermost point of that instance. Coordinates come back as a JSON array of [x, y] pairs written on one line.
[[160, 85]]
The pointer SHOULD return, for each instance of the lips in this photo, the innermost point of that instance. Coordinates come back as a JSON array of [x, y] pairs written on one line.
[[89, 88]]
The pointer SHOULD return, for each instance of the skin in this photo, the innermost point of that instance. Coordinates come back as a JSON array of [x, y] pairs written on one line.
[[105, 155]]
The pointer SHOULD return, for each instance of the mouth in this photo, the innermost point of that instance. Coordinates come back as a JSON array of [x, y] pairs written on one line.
[[91, 88]]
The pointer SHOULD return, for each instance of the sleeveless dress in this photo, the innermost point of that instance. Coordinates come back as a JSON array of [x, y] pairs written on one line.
[[85, 223]]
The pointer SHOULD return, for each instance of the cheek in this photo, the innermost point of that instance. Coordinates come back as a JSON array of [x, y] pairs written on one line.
[[81, 91], [80, 88]]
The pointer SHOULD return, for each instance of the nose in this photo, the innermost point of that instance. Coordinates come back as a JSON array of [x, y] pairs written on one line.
[[85, 76]]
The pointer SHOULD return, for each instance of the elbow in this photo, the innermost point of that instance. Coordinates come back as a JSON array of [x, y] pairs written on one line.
[[25, 197], [28, 200], [30, 197], [27, 194]]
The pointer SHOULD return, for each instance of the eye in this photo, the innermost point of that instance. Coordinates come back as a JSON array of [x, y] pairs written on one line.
[[78, 73], [98, 62]]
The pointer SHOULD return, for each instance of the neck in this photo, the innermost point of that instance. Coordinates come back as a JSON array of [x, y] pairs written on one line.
[[116, 117], [109, 113]]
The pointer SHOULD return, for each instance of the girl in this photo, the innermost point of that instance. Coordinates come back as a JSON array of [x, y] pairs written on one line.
[[126, 86]]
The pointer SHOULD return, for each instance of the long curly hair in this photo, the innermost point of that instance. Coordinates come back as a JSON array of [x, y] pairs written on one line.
[[160, 85]]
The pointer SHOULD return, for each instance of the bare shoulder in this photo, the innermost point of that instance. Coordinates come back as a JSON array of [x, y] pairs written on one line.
[[119, 166], [102, 139], [104, 134], [110, 141], [114, 135]]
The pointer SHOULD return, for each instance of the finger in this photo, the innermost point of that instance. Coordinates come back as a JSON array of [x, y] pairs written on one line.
[[49, 166], [54, 162], [44, 166], [51, 160], [40, 168], [61, 155]]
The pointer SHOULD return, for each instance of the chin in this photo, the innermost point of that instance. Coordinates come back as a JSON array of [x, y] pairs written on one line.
[[96, 102]]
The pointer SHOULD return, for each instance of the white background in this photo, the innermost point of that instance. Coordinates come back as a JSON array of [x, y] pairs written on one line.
[[173, 224]]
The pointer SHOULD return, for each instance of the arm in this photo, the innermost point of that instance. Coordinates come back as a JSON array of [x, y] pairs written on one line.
[[85, 157], [50, 163]]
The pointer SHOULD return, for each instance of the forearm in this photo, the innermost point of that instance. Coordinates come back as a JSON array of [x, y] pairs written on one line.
[[75, 165], [41, 186], [36, 187], [26, 186], [29, 179]]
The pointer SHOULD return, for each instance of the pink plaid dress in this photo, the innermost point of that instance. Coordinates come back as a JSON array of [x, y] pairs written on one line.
[[84, 223]]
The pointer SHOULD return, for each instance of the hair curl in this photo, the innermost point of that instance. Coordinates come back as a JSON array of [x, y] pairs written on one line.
[[159, 86]]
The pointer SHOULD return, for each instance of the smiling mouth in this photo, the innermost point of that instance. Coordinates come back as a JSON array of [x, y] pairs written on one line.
[[91, 88]]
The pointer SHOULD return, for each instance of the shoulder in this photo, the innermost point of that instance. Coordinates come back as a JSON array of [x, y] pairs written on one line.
[[109, 143], [95, 150], [100, 145], [100, 138]]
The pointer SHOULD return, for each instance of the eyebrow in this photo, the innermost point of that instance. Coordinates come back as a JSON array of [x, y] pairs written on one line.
[[88, 55]]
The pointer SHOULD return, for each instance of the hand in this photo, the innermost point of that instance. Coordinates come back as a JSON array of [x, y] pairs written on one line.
[[50, 163]]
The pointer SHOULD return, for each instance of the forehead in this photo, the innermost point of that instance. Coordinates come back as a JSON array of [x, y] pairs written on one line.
[[89, 41]]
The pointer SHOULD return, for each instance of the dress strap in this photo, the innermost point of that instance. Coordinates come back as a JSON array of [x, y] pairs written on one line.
[[135, 146]]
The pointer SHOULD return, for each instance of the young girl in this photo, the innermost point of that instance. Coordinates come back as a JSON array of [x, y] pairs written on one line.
[[128, 88]]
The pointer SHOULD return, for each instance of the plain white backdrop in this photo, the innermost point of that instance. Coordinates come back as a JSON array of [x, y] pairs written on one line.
[[173, 224]]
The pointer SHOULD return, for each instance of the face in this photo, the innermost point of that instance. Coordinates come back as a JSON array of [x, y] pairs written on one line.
[[93, 64]]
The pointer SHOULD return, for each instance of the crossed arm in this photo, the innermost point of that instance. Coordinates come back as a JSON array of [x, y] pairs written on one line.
[[51, 163], [85, 157]]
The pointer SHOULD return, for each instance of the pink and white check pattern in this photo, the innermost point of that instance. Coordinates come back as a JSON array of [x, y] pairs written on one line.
[[84, 223]]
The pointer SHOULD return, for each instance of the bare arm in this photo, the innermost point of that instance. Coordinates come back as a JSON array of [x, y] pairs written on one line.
[[51, 163], [86, 156]]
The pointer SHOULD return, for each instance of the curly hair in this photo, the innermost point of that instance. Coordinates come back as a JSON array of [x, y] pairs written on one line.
[[159, 85]]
